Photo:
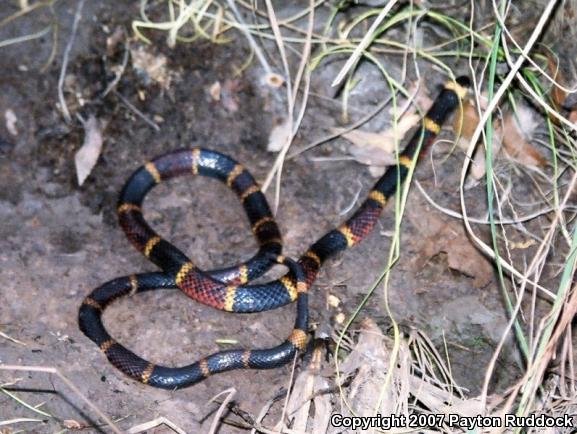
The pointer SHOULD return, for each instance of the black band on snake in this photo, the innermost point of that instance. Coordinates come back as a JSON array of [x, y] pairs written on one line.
[[226, 289]]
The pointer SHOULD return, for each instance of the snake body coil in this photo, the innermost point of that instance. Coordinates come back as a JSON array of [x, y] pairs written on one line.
[[226, 289]]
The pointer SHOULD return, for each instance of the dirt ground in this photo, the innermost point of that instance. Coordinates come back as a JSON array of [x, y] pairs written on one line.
[[59, 241]]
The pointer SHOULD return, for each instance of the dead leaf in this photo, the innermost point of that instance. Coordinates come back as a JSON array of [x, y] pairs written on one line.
[[513, 134], [114, 40], [465, 124], [87, 156], [11, 121], [151, 66], [333, 300], [310, 387], [517, 130], [215, 91], [72, 424], [450, 238], [478, 164], [369, 363], [558, 94], [229, 95], [279, 136], [378, 149], [523, 244]]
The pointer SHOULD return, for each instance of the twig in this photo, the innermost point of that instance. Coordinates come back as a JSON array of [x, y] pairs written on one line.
[[277, 166], [291, 96], [351, 127], [120, 72], [20, 420], [353, 202], [63, 105], [25, 404], [363, 44], [26, 38], [69, 383], [141, 115], [10, 338], [146, 426], [479, 130], [243, 28], [223, 406], [512, 221]]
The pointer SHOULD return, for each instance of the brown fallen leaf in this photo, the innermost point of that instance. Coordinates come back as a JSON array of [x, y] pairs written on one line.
[[151, 66], [215, 90], [114, 40], [523, 244], [517, 130], [87, 156], [479, 162], [230, 94], [558, 94], [464, 126], [279, 136], [72, 424], [307, 390], [465, 123], [368, 364], [377, 149], [450, 238], [11, 121], [573, 116], [513, 134]]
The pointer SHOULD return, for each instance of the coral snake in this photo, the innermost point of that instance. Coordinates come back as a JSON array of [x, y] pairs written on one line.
[[227, 289]]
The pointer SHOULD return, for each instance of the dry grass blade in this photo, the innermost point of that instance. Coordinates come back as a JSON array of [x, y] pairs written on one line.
[[536, 370], [25, 404], [299, 403], [223, 407], [291, 95], [155, 423], [19, 420], [558, 84], [70, 384], [352, 60], [350, 128], [26, 38], [484, 221], [254, 46], [491, 107], [539, 256], [137, 112], [420, 383], [11, 339], [386, 374], [310, 388], [61, 99]]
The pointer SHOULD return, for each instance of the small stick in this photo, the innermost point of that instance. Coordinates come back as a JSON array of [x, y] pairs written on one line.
[[77, 17], [141, 115], [69, 383]]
